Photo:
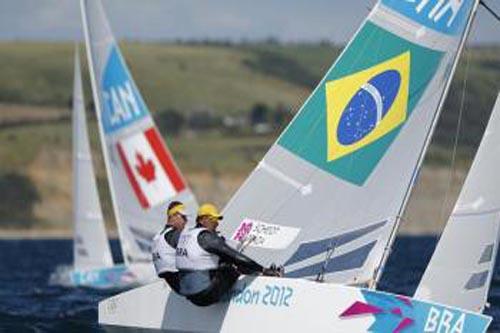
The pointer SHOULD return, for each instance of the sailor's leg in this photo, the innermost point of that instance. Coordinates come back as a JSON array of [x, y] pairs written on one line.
[[172, 279], [222, 281]]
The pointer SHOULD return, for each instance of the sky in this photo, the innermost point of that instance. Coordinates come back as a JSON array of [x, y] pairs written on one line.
[[236, 20]]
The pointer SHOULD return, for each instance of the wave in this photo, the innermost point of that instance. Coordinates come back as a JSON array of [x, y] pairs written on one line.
[[61, 276]]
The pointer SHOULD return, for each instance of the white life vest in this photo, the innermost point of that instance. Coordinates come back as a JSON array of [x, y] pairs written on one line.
[[191, 256], [163, 253]]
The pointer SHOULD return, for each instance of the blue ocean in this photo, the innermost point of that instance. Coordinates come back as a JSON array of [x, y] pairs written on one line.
[[29, 303]]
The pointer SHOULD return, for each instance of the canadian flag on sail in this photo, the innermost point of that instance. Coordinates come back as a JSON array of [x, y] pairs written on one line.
[[149, 168]]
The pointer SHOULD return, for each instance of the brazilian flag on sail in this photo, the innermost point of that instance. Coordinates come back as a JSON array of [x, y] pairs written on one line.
[[359, 108]]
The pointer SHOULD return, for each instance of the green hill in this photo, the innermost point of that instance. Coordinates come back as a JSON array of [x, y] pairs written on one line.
[[36, 85], [230, 78], [183, 77]]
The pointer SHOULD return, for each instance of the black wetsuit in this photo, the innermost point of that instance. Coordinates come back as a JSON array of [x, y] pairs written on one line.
[[172, 278], [232, 265]]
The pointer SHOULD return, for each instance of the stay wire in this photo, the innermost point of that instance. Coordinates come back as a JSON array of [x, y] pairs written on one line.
[[452, 172], [490, 10]]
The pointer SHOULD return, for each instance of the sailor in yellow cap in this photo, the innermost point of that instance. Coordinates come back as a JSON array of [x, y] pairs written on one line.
[[208, 216], [208, 267], [165, 243]]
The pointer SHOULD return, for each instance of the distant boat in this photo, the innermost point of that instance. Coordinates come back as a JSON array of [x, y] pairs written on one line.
[[93, 264], [142, 175], [327, 199]]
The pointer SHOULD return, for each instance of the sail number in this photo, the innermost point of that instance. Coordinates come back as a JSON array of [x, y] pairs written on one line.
[[444, 321], [121, 104], [440, 9]]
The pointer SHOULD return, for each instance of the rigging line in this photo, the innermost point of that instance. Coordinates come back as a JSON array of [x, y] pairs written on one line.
[[490, 10], [457, 137]]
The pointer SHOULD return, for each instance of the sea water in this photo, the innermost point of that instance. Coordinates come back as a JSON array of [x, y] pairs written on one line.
[[29, 302]]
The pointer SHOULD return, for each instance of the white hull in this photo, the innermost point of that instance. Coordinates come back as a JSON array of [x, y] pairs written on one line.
[[266, 304]]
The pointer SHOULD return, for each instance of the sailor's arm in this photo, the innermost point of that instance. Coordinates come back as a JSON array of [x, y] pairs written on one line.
[[172, 237], [215, 244]]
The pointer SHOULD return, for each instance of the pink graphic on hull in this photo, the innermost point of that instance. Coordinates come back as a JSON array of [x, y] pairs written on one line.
[[360, 308], [406, 322], [363, 309], [397, 312], [405, 300]]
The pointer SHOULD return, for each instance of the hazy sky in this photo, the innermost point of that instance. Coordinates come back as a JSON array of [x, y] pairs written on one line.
[[296, 20]]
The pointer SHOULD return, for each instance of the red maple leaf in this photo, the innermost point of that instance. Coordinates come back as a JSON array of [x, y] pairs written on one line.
[[145, 168]]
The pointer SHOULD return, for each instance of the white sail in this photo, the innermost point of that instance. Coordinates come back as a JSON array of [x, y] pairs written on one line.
[[91, 246], [142, 175], [329, 194], [462, 266]]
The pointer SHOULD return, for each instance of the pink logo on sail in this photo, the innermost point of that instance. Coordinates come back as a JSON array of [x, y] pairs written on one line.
[[243, 231]]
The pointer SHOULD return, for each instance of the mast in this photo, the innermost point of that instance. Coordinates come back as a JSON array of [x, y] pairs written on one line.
[[388, 249], [98, 108]]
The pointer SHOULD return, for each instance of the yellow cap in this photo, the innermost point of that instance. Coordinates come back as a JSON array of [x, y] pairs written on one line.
[[177, 209], [209, 210]]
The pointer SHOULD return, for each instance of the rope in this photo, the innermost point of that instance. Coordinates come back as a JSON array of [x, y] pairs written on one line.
[[490, 10]]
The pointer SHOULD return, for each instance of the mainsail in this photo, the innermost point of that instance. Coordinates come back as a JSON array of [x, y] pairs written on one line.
[[91, 246], [462, 266], [329, 195], [142, 174]]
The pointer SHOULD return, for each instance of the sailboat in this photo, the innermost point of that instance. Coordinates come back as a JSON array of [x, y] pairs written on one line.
[[141, 172], [327, 199], [472, 230], [93, 264]]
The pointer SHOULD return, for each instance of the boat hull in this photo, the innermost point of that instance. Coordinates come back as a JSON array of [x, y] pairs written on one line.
[[115, 277], [264, 304]]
